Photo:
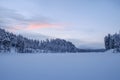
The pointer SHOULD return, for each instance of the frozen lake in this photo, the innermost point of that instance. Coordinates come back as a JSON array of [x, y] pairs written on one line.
[[51, 66]]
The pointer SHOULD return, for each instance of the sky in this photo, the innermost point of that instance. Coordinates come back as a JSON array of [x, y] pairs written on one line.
[[85, 20]]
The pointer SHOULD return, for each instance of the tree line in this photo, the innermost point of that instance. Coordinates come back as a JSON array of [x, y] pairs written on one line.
[[20, 44]]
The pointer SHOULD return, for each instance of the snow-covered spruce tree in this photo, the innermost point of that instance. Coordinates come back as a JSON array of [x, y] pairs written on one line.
[[107, 41], [112, 41], [4, 41]]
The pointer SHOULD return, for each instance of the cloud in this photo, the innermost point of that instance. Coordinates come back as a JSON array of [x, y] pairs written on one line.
[[9, 17], [43, 25], [34, 26], [12, 20]]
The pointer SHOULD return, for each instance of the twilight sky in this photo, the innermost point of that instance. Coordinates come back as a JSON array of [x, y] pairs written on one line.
[[85, 20]]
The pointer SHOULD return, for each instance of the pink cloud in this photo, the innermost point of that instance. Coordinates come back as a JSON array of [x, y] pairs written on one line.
[[34, 26], [43, 25]]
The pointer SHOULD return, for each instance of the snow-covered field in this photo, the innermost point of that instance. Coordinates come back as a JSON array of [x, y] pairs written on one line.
[[51, 66]]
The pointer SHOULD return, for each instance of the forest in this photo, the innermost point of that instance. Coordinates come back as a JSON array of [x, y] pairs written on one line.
[[112, 42], [11, 42]]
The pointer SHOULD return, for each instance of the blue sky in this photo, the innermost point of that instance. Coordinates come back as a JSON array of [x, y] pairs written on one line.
[[85, 20]]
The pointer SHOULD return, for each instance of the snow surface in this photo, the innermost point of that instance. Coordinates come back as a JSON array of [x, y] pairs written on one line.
[[52, 66]]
